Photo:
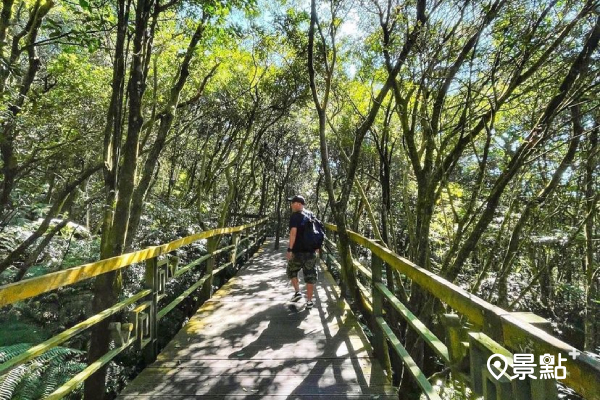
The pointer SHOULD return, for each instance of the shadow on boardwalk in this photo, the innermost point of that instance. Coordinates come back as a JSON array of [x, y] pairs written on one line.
[[246, 343]]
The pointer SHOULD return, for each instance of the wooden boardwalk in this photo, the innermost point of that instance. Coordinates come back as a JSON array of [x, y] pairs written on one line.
[[246, 343]]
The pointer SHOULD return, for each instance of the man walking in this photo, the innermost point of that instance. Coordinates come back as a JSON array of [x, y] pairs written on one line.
[[299, 255]]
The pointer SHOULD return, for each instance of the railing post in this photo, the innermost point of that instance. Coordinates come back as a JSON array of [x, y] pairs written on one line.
[[207, 288], [326, 252], [235, 240], [380, 345], [458, 351], [152, 281], [457, 342], [262, 233], [255, 233], [247, 242], [173, 265], [241, 246]]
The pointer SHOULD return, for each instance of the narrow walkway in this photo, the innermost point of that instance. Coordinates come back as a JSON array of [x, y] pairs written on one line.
[[247, 343]]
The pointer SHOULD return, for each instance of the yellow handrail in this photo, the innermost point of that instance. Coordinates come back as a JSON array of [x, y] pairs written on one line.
[[499, 324], [32, 287]]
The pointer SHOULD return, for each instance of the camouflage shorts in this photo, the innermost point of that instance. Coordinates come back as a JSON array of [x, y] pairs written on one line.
[[307, 262]]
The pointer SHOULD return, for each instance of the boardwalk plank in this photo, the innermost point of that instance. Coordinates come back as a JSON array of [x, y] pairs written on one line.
[[246, 343]]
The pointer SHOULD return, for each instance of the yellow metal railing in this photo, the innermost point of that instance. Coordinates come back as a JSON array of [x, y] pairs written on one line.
[[491, 330], [140, 330]]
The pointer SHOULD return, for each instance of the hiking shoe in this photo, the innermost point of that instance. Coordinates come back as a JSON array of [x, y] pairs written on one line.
[[309, 305], [297, 296]]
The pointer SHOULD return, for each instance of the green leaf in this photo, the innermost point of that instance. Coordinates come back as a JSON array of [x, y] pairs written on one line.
[[85, 5]]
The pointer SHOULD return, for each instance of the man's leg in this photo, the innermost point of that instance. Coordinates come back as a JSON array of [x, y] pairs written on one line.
[[296, 285], [310, 277], [310, 287], [292, 272]]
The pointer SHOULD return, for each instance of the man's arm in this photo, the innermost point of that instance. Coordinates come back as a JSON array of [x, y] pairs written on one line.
[[292, 241], [293, 237]]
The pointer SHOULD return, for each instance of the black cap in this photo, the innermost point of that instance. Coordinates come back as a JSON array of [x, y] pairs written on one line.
[[297, 199]]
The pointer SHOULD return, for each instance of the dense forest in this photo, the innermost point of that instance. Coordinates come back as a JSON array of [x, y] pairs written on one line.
[[463, 134]]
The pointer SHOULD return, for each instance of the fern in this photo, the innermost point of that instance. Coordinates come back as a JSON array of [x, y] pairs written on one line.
[[41, 376], [10, 381], [27, 383], [60, 353], [56, 375], [8, 352]]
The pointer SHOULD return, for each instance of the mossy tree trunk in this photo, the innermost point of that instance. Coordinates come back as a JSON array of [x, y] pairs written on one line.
[[166, 119], [321, 97], [23, 40], [592, 268], [537, 136], [119, 179], [513, 246]]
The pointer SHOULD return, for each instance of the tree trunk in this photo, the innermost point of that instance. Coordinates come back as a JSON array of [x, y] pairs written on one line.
[[166, 122], [338, 206], [264, 192], [278, 214], [135, 90], [592, 270], [8, 135], [537, 135], [540, 199], [107, 287], [545, 270], [280, 187]]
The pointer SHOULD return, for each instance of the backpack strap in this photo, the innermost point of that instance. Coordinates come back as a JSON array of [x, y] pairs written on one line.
[[308, 214]]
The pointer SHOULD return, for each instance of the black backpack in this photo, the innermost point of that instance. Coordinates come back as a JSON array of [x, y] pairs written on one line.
[[314, 232]]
